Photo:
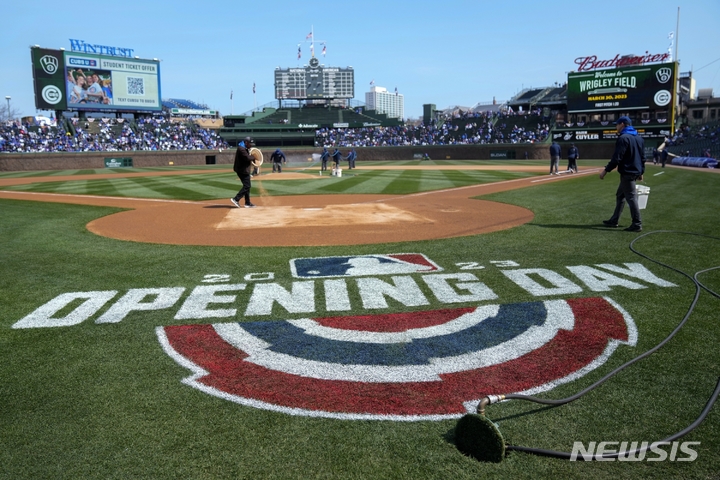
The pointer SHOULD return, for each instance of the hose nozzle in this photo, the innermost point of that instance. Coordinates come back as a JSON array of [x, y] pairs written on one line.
[[490, 399]]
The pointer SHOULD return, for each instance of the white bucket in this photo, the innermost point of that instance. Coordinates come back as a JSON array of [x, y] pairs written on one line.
[[337, 172], [643, 193]]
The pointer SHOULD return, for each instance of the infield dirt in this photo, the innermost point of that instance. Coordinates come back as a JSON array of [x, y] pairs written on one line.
[[305, 220]]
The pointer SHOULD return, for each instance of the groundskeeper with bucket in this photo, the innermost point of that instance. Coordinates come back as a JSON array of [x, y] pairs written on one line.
[[629, 158]]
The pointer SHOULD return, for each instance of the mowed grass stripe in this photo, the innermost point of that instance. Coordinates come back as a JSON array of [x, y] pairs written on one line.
[[380, 180], [407, 182], [167, 187]]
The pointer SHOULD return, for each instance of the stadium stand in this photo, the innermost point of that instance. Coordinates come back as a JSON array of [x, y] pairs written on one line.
[[108, 135], [696, 141]]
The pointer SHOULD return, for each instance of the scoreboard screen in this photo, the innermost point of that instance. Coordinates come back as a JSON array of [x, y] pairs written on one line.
[[639, 87], [314, 81], [91, 82]]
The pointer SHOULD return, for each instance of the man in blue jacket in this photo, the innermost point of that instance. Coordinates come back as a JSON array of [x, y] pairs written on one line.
[[352, 156], [277, 159], [554, 158], [336, 156], [629, 158], [324, 159]]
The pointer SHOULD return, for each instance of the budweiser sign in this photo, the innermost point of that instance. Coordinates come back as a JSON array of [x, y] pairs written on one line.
[[592, 62]]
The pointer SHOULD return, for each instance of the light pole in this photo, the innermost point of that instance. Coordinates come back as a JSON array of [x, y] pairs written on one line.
[[7, 97]]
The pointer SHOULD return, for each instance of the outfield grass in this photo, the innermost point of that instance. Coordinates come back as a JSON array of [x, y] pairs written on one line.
[[104, 400]]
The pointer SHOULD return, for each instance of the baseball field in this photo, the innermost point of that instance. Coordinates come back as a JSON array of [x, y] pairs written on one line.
[[150, 329]]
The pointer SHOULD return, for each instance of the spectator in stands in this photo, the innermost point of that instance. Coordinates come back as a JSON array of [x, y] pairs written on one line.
[[114, 135]]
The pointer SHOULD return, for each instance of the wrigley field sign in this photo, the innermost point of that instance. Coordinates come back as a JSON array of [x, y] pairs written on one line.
[[639, 87]]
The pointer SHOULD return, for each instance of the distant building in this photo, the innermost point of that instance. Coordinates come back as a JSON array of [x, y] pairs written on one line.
[[391, 104]]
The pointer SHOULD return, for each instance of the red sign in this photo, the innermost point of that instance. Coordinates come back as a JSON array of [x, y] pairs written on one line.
[[592, 62]]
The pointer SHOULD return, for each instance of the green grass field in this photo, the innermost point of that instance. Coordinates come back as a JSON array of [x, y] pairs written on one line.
[[104, 400]]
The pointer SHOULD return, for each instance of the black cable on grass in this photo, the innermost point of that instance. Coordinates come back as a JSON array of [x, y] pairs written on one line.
[[629, 453], [566, 455]]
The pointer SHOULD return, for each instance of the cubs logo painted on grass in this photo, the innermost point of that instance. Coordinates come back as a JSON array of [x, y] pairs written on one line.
[[360, 265], [400, 366]]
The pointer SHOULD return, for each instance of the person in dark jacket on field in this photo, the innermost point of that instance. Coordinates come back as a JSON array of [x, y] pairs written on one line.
[[664, 157], [277, 159], [352, 156], [324, 159], [554, 158], [336, 156], [629, 158], [573, 154], [243, 167]]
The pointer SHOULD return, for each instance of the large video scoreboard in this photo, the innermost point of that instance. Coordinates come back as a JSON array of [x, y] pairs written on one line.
[[92, 82], [314, 81], [640, 87]]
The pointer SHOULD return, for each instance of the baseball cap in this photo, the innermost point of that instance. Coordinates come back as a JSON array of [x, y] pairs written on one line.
[[625, 120], [249, 140]]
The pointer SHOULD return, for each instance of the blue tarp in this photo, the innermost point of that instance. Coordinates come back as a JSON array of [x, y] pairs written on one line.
[[703, 162]]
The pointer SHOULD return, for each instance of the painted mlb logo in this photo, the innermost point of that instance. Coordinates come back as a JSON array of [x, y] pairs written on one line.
[[401, 366], [360, 265]]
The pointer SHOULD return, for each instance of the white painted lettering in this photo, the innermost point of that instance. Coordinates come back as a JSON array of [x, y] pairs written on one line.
[[42, 317], [599, 281], [300, 300], [254, 277], [336, 295], [405, 291], [195, 306], [559, 285], [445, 293], [133, 301], [637, 270]]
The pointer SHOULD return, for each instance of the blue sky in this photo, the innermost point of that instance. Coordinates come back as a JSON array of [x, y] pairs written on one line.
[[446, 53]]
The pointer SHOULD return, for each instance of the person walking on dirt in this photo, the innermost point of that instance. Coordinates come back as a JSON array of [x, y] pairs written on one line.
[[243, 167], [277, 159]]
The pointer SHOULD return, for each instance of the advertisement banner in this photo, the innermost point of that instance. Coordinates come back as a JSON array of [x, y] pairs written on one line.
[[83, 81], [630, 88], [48, 76], [606, 133], [96, 82]]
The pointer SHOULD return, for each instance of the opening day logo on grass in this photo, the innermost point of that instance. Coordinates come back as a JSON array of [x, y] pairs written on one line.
[[421, 365]]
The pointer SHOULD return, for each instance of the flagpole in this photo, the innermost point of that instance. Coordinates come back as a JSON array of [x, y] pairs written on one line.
[[677, 34]]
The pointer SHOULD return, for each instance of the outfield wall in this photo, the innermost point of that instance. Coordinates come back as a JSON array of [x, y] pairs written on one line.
[[10, 162]]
